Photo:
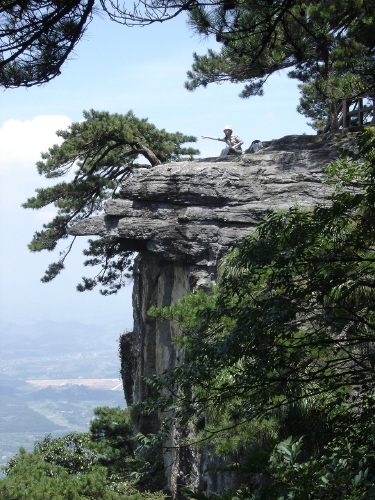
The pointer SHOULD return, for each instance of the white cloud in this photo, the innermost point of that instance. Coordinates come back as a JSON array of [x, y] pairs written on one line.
[[21, 142], [45, 216]]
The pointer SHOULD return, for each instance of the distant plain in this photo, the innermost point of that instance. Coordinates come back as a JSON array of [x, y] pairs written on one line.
[[52, 376]]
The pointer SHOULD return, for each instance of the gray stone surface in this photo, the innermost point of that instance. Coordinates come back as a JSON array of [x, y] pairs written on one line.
[[191, 211], [181, 218]]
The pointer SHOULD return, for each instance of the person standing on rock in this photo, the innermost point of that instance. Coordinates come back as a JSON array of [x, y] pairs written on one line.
[[233, 142]]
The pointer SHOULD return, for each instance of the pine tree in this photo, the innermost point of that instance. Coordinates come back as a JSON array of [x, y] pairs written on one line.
[[70, 467], [326, 44], [98, 154], [37, 37]]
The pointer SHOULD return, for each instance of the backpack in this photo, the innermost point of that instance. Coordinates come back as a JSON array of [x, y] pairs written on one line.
[[255, 146]]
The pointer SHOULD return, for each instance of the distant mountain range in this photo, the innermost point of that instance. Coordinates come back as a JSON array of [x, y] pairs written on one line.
[[51, 337]]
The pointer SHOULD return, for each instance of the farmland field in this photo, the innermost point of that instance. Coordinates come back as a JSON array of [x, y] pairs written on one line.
[[51, 386]]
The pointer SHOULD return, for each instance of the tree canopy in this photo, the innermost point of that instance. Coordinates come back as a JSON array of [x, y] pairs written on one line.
[[315, 38], [37, 37], [279, 367], [99, 465], [97, 155], [328, 44]]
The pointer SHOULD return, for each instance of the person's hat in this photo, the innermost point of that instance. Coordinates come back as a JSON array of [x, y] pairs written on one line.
[[228, 127]]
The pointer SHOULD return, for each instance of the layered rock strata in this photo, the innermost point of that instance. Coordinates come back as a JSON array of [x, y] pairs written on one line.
[[181, 218]]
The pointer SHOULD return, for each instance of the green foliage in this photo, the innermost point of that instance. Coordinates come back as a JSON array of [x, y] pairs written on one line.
[[101, 152], [120, 451], [112, 433], [71, 452], [327, 45], [32, 476], [37, 37], [278, 375], [97, 465], [115, 265], [313, 105], [187, 311]]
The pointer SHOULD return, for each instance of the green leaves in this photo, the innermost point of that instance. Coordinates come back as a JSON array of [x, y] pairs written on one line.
[[71, 452], [116, 265], [99, 465], [97, 155], [326, 45]]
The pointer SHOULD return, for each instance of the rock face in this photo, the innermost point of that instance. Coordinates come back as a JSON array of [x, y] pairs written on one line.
[[181, 218], [191, 211]]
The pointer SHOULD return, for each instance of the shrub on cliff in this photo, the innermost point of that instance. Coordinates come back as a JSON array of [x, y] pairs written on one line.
[[280, 359]]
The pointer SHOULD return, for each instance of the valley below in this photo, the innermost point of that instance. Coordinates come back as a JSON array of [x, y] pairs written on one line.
[[52, 376]]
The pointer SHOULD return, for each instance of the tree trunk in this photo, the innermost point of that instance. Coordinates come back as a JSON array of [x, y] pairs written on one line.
[[147, 153], [333, 114]]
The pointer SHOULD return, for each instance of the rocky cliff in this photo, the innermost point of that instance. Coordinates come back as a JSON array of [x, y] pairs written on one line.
[[181, 218]]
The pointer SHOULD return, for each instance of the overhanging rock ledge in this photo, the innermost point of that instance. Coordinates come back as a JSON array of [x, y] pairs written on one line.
[[181, 218], [191, 211]]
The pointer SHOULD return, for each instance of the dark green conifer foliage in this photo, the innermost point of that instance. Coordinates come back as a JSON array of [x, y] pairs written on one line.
[[96, 156], [112, 433], [37, 37], [327, 43]]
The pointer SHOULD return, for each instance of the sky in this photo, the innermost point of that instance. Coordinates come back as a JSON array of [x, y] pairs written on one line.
[[114, 69]]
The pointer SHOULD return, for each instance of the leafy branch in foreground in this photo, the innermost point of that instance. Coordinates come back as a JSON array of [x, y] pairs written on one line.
[[101, 152], [327, 45], [279, 368]]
